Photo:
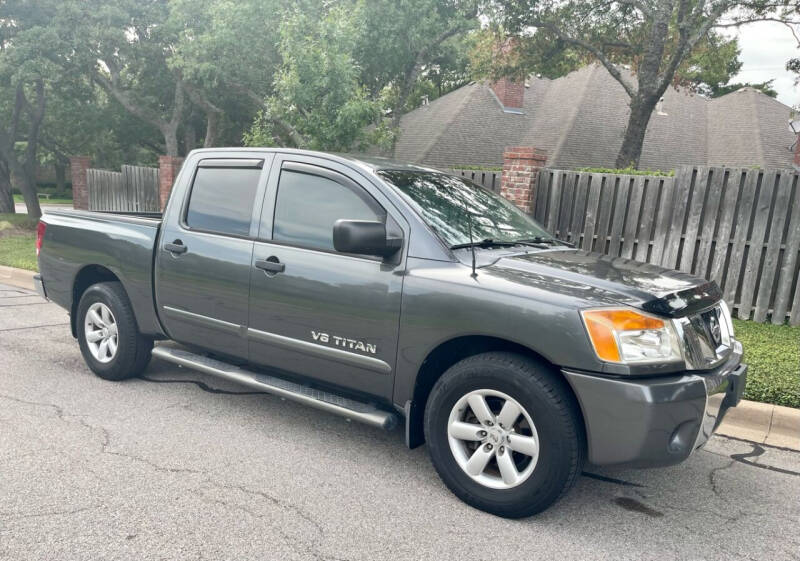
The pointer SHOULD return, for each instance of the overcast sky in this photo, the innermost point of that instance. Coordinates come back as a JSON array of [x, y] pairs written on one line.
[[766, 46]]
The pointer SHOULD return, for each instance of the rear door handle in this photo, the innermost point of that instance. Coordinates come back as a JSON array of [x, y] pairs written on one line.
[[270, 265], [175, 247]]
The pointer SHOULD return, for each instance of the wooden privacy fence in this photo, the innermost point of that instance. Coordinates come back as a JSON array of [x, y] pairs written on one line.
[[134, 189], [488, 179], [739, 227]]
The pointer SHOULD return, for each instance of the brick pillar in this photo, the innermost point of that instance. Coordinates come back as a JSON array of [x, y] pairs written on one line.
[[168, 168], [80, 191], [521, 165], [797, 153]]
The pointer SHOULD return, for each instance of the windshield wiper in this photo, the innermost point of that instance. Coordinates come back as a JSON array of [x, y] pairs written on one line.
[[485, 243], [544, 240]]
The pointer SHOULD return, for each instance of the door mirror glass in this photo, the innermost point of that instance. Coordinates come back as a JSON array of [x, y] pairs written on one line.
[[364, 237]]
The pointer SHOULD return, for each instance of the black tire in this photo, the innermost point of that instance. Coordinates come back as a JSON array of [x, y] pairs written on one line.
[[133, 348], [551, 405]]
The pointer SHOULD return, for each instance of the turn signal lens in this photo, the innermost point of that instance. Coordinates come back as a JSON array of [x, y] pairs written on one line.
[[627, 336]]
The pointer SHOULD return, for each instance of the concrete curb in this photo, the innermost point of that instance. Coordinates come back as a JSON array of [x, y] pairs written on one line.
[[772, 425], [17, 277]]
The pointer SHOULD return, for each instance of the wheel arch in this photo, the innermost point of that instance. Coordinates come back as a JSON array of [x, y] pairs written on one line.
[[86, 277], [445, 355]]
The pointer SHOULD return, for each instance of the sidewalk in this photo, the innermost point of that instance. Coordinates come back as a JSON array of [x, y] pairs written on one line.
[[17, 277], [763, 423]]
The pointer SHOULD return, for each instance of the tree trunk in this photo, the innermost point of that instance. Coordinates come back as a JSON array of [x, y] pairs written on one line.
[[170, 140], [6, 197], [61, 177], [631, 151], [189, 139], [212, 126], [27, 185]]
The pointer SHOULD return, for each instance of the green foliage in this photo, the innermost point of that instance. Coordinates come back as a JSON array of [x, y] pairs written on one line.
[[630, 171], [773, 355], [478, 168], [317, 88]]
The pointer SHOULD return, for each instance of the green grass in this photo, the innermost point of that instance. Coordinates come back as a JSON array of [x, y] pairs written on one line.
[[773, 354], [19, 251], [10, 224], [18, 241]]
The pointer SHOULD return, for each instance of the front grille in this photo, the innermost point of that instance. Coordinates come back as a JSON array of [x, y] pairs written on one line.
[[706, 338]]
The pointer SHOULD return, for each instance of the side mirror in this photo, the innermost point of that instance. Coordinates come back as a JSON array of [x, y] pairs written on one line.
[[363, 237]]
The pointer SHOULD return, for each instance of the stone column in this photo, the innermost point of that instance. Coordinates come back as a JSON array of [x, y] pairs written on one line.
[[521, 165]]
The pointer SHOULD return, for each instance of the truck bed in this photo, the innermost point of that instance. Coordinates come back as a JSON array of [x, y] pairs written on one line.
[[121, 243]]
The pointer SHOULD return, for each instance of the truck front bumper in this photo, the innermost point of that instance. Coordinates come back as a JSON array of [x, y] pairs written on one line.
[[655, 421]]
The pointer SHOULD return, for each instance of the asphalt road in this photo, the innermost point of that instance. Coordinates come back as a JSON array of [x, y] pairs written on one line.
[[176, 466]]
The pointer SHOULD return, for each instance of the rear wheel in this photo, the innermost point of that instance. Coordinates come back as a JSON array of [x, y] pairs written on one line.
[[108, 336], [504, 434]]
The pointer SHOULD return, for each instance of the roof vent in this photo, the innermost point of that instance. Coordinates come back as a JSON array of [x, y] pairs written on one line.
[[660, 108]]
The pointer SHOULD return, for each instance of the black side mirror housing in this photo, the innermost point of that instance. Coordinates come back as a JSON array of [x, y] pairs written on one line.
[[364, 237]]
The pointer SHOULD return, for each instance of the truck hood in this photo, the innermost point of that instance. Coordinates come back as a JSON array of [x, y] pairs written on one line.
[[649, 287]]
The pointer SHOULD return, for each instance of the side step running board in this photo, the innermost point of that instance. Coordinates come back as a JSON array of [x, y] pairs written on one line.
[[346, 407]]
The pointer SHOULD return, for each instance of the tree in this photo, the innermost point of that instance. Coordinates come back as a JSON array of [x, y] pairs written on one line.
[[400, 42], [27, 115], [318, 98], [658, 36]]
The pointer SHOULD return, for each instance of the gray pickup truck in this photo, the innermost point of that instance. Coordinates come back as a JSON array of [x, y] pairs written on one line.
[[390, 293]]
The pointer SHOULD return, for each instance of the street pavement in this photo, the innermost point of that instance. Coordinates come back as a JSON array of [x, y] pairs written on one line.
[[177, 465]]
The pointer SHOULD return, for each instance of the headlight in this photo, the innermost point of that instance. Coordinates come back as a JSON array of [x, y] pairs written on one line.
[[626, 336]]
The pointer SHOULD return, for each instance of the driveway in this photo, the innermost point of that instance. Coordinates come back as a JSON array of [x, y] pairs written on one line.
[[175, 465]]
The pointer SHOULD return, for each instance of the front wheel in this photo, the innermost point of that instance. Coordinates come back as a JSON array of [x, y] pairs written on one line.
[[504, 433], [108, 335]]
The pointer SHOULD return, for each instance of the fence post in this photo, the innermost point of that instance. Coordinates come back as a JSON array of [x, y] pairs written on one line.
[[168, 168], [80, 190], [521, 165]]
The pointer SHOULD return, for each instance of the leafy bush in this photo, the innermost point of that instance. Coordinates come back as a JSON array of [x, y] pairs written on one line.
[[773, 354], [631, 171], [479, 168]]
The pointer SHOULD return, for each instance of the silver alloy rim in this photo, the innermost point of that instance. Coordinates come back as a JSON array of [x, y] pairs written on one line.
[[493, 439], [100, 329]]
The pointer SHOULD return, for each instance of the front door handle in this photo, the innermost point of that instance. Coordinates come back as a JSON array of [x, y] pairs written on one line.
[[175, 247], [270, 265]]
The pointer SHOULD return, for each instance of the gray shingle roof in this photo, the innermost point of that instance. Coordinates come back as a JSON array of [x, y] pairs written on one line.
[[580, 118]]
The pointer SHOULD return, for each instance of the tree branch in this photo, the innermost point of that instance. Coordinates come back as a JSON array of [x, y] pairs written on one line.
[[630, 89], [294, 135]]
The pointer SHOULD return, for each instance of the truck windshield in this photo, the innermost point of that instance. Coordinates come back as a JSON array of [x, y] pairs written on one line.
[[444, 202]]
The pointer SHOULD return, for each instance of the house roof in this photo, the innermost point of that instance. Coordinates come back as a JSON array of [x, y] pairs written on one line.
[[579, 120]]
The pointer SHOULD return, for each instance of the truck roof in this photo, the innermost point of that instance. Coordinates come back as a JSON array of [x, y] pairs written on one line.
[[368, 162]]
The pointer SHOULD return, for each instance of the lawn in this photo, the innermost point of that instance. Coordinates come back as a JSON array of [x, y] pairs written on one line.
[[18, 241], [773, 354]]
